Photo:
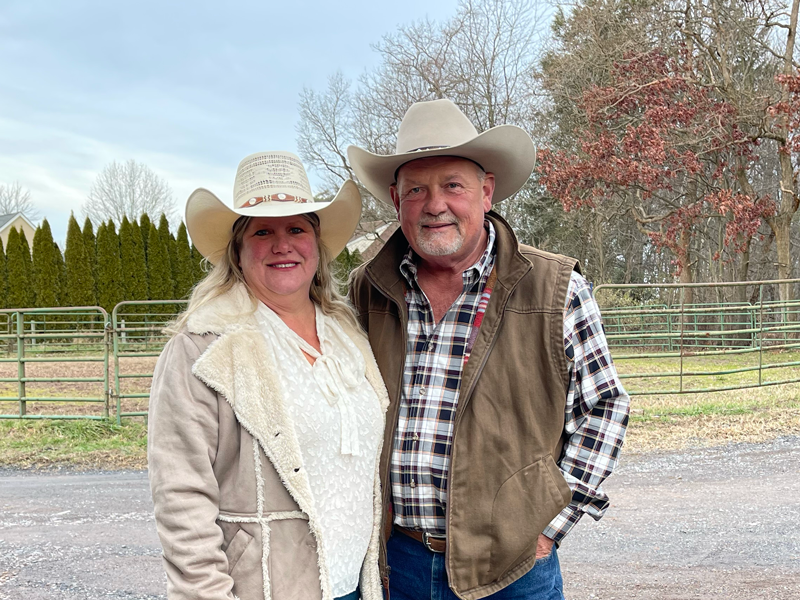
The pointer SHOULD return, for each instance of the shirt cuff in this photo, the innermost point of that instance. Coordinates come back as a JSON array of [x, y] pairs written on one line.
[[563, 523]]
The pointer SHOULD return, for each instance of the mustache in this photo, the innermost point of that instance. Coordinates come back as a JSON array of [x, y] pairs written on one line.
[[445, 218]]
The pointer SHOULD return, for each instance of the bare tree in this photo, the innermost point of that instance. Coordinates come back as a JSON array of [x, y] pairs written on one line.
[[128, 189], [482, 58], [16, 199]]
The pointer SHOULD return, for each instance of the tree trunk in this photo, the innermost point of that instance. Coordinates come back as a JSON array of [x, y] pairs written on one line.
[[597, 243], [686, 275], [742, 272], [782, 227], [781, 223]]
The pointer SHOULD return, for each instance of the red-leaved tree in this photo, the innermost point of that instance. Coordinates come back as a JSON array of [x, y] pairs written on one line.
[[658, 145]]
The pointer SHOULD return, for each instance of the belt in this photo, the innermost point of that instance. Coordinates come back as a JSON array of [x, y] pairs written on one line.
[[433, 543]]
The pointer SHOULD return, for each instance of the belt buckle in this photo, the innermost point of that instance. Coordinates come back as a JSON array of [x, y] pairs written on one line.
[[426, 540]]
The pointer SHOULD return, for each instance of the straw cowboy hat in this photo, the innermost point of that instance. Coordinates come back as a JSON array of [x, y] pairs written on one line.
[[270, 184], [439, 128]]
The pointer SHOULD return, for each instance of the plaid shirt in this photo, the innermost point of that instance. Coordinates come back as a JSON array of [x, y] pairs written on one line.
[[596, 409]]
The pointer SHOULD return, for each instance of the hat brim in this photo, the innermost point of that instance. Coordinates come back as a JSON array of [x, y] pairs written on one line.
[[507, 151], [209, 221]]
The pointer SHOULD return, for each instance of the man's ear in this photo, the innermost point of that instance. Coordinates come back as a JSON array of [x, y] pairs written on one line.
[[395, 197], [487, 189]]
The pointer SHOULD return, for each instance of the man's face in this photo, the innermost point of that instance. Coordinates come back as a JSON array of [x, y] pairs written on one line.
[[441, 203]]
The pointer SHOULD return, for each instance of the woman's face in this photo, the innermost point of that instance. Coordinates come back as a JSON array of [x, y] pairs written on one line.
[[278, 257]]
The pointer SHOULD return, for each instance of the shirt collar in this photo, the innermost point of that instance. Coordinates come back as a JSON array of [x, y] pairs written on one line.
[[408, 266]]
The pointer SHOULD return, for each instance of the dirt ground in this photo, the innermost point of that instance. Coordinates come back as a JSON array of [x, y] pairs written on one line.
[[710, 523]]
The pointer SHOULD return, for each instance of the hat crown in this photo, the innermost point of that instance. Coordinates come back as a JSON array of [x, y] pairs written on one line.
[[433, 124], [276, 176]]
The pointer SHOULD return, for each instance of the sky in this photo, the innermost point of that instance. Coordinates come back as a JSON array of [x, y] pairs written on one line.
[[188, 88]]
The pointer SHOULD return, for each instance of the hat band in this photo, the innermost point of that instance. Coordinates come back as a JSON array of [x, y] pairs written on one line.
[[426, 148]]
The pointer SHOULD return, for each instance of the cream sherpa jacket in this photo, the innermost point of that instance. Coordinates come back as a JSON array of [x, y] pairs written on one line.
[[233, 505]]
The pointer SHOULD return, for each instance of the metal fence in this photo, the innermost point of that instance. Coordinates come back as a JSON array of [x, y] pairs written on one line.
[[138, 333], [38, 339], [82, 363], [672, 340], [45, 347]]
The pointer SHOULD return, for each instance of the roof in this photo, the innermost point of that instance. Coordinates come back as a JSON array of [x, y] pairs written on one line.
[[6, 220], [370, 242]]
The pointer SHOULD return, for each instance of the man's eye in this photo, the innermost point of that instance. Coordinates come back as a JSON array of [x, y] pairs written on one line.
[[453, 185]]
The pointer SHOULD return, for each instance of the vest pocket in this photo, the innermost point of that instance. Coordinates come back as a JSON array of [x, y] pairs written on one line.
[[236, 548], [523, 506]]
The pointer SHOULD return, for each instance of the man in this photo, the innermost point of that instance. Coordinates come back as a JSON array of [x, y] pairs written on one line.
[[506, 411]]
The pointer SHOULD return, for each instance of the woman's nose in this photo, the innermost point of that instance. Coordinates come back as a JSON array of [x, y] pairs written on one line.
[[280, 244]]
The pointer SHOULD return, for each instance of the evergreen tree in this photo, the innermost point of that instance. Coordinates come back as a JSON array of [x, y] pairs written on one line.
[[90, 244], [158, 275], [3, 278], [63, 291], [19, 284], [27, 260], [344, 264], [198, 271], [109, 267], [183, 264], [144, 229], [80, 282], [168, 241], [45, 267], [132, 260]]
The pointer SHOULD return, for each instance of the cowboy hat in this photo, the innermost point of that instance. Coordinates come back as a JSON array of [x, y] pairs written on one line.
[[439, 128], [270, 184]]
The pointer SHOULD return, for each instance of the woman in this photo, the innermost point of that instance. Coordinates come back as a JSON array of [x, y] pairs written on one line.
[[267, 407]]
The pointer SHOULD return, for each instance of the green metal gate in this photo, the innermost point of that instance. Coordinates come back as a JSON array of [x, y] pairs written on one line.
[[766, 330], [138, 333], [36, 338]]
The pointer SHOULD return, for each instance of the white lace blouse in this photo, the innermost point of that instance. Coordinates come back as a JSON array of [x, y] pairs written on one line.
[[339, 422]]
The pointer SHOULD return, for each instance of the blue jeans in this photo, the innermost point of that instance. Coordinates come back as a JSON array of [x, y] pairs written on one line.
[[417, 574]]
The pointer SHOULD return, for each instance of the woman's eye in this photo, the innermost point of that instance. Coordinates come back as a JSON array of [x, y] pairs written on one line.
[[297, 230], [261, 232]]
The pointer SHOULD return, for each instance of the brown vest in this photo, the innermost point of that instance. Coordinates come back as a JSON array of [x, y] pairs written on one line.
[[504, 484]]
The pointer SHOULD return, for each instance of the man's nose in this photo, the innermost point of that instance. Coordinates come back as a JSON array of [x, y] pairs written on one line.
[[436, 204]]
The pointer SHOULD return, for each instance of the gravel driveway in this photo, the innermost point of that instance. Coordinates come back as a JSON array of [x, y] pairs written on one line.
[[710, 523]]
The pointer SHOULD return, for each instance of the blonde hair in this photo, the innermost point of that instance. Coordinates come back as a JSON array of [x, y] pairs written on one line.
[[224, 275]]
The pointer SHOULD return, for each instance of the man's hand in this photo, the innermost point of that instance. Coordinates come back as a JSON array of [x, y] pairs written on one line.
[[543, 546]]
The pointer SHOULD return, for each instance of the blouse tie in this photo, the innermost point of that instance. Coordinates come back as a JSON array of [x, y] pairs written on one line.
[[337, 381]]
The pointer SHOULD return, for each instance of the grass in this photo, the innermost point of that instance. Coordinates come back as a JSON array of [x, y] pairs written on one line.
[[79, 444], [676, 421]]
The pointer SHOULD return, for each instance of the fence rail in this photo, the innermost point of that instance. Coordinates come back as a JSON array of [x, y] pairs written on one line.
[[678, 338], [55, 362], [59, 330]]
